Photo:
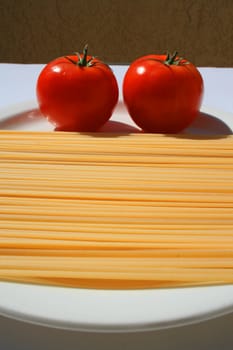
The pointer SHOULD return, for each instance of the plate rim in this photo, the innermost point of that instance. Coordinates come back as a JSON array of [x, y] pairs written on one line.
[[106, 323]]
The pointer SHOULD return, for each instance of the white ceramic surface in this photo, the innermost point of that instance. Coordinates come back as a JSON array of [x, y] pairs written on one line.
[[113, 311]]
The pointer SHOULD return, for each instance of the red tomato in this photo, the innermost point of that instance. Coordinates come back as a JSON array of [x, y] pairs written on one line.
[[162, 93], [77, 92]]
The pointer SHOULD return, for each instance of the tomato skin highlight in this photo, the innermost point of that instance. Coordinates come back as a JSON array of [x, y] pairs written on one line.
[[74, 97], [161, 97]]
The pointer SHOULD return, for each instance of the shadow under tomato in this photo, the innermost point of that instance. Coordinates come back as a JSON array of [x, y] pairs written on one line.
[[117, 127], [205, 125], [20, 118], [31, 120]]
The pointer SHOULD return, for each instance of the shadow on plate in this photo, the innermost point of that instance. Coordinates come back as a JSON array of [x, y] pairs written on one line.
[[33, 120], [205, 125], [21, 120]]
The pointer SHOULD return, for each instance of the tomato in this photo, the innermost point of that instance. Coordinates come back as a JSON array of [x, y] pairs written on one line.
[[77, 92], [163, 94]]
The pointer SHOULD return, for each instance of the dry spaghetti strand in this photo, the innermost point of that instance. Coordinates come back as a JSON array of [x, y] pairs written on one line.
[[116, 211]]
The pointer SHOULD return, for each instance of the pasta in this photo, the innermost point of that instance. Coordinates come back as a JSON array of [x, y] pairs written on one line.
[[116, 211]]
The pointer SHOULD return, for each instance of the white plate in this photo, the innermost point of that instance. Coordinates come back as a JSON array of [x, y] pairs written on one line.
[[113, 311], [26, 116]]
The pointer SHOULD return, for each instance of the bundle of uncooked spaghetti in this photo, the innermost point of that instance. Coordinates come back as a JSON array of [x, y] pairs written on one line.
[[116, 211]]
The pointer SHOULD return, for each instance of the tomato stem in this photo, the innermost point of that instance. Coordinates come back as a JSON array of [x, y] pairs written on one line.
[[82, 62], [172, 59]]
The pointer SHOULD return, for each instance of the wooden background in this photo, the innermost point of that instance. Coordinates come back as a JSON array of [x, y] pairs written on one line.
[[118, 31]]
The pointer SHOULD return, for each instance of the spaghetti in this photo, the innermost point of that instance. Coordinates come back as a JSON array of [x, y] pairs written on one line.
[[116, 211]]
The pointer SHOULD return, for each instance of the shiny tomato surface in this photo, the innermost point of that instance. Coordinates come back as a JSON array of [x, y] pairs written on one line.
[[77, 92], [163, 94]]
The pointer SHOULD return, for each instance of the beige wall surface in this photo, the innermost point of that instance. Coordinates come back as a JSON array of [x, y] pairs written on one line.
[[117, 31]]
